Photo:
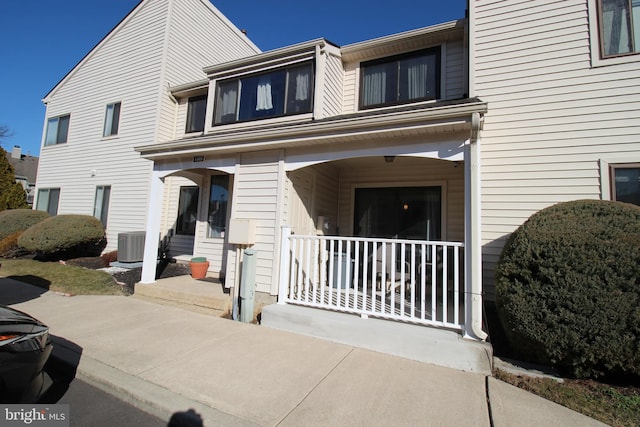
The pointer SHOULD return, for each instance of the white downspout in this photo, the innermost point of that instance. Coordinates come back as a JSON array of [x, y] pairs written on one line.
[[150, 260], [473, 235]]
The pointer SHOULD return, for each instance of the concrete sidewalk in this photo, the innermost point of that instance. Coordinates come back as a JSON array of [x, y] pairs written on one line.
[[167, 360]]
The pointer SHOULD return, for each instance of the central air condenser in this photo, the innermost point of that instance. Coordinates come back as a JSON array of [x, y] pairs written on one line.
[[131, 246]]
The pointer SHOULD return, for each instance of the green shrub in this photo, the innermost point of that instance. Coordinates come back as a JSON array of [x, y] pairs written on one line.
[[568, 288], [13, 220], [65, 236]]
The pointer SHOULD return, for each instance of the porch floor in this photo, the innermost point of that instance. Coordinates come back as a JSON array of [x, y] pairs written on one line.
[[206, 295], [422, 343]]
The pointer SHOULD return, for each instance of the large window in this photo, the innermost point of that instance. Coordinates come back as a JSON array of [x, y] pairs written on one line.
[[196, 110], [187, 211], [619, 22], [57, 130], [282, 92], [218, 202], [101, 203], [398, 212], [48, 199], [400, 79], [625, 183], [111, 120]]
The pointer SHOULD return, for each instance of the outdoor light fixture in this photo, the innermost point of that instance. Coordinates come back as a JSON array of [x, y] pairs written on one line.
[[389, 159]]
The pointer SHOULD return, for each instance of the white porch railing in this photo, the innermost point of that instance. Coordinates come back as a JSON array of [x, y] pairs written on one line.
[[415, 281]]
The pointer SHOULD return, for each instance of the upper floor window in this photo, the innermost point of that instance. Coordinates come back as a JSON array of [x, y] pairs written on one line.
[[619, 22], [400, 79], [196, 110], [48, 199], [625, 182], [282, 92], [111, 119], [57, 130]]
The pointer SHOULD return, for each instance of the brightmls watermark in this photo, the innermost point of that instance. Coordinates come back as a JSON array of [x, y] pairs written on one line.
[[34, 415]]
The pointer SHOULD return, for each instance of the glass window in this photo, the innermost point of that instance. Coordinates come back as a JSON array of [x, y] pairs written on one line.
[[196, 111], [48, 199], [398, 212], [187, 211], [218, 202], [619, 22], [111, 120], [400, 79], [57, 130], [281, 92], [101, 203], [625, 183]]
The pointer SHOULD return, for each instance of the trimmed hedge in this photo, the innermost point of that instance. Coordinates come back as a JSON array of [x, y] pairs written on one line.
[[568, 288], [65, 236], [14, 220]]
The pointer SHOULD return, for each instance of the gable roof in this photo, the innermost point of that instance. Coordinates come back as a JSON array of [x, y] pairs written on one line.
[[122, 23]]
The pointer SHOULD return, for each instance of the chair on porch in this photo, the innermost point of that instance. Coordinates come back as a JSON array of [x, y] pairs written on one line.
[[396, 273]]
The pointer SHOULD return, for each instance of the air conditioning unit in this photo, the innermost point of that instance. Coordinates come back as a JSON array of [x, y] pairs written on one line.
[[131, 246]]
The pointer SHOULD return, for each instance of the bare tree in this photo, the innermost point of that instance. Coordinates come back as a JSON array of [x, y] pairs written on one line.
[[5, 132]]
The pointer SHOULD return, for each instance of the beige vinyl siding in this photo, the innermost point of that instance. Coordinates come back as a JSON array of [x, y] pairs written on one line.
[[551, 118], [454, 84], [312, 192], [255, 197], [181, 117], [199, 36], [301, 198], [332, 103], [124, 68], [407, 171], [350, 88]]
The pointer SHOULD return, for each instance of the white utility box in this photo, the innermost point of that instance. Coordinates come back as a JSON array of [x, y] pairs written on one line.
[[242, 231]]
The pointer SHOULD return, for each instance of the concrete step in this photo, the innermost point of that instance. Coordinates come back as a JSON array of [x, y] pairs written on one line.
[[208, 295]]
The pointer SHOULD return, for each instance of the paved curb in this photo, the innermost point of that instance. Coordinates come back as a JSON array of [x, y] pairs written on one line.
[[144, 395]]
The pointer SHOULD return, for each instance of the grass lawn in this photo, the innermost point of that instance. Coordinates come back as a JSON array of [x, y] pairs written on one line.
[[613, 405], [59, 277]]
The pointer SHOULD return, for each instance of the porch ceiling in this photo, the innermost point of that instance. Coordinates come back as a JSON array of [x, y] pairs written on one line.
[[411, 121]]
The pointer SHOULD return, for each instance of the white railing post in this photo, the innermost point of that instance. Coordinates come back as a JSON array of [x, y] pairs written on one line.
[[285, 259]]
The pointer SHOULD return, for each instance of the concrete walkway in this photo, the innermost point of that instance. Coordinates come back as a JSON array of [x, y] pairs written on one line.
[[166, 360]]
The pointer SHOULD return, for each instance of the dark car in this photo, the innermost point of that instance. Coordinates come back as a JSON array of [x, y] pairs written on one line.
[[25, 346]]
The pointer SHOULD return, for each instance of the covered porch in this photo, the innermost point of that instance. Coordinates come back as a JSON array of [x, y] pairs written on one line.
[[310, 190]]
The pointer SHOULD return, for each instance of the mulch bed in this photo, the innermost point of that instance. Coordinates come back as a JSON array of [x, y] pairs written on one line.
[[130, 277]]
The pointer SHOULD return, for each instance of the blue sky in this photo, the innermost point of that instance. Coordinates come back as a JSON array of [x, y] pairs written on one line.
[[42, 40]]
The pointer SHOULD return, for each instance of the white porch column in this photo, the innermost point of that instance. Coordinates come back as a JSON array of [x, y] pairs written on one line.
[[283, 284], [150, 260], [473, 235]]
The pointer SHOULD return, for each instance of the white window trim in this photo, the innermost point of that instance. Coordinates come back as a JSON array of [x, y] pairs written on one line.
[[605, 172], [594, 41], [104, 123]]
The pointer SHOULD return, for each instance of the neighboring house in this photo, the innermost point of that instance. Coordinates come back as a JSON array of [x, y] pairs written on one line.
[[378, 178], [115, 98], [25, 167]]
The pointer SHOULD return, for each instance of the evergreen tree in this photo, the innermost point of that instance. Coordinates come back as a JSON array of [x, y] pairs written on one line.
[[12, 194]]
